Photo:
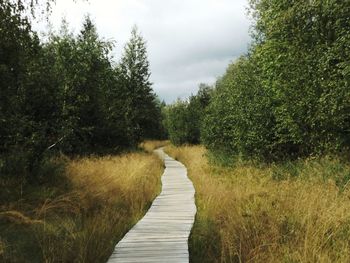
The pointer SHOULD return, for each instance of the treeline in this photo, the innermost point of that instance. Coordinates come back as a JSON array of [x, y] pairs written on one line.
[[289, 96], [183, 118], [67, 94]]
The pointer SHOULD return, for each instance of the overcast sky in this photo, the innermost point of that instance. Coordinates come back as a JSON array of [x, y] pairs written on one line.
[[189, 41]]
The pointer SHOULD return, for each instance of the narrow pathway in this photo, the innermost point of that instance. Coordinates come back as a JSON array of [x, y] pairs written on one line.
[[162, 234]]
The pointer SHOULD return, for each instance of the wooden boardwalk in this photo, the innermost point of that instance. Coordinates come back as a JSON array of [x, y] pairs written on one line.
[[162, 234]]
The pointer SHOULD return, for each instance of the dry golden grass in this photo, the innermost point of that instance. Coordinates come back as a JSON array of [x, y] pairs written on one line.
[[106, 197], [2, 247], [131, 178], [151, 145], [245, 215], [16, 217]]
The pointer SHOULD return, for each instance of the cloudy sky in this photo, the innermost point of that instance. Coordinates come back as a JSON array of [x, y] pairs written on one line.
[[189, 41]]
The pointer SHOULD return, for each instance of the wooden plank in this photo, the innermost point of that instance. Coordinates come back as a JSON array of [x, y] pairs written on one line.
[[162, 234]]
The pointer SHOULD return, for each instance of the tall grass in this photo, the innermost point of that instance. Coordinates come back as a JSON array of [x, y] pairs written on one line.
[[151, 145], [104, 198], [296, 212]]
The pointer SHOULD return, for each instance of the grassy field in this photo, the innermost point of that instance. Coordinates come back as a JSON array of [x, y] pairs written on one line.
[[292, 212], [79, 216], [150, 146]]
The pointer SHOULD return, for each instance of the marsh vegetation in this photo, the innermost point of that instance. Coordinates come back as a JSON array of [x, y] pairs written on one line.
[[267, 145]]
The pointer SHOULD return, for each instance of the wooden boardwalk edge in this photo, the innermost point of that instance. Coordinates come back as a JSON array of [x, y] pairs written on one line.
[[162, 234]]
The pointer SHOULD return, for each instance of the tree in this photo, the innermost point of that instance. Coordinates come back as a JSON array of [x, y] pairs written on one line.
[[303, 53], [93, 107], [140, 101], [177, 122], [31, 8], [184, 118], [95, 71], [25, 125], [239, 119], [289, 96], [66, 95]]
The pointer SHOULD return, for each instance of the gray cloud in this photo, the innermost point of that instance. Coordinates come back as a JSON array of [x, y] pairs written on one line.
[[189, 41]]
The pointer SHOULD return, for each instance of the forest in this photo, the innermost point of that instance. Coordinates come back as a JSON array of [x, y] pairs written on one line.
[[266, 146]]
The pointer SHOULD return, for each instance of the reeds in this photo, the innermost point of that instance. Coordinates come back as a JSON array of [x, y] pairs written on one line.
[[106, 197], [246, 214], [151, 145]]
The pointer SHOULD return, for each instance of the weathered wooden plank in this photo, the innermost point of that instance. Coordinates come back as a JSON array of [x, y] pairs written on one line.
[[162, 234]]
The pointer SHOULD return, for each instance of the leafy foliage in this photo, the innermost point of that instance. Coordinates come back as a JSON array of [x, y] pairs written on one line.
[[290, 95], [143, 111], [239, 118], [67, 95], [183, 119]]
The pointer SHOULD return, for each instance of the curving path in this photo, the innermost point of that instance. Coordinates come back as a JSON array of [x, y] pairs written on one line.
[[162, 234]]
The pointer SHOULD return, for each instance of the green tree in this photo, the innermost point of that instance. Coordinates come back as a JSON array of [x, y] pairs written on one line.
[[27, 97], [184, 118], [304, 55], [239, 119], [177, 122], [90, 93], [140, 101], [93, 104], [289, 97]]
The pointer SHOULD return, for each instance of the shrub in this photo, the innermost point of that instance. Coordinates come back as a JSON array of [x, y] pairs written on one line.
[[183, 119], [289, 97]]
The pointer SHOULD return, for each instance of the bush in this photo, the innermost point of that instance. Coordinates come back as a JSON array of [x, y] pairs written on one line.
[[239, 118], [183, 119], [289, 97]]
